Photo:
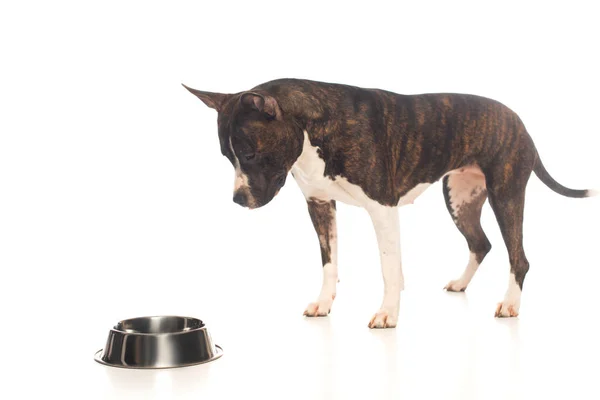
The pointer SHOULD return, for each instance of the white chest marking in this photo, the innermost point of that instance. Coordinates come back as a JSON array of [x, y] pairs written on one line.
[[308, 171]]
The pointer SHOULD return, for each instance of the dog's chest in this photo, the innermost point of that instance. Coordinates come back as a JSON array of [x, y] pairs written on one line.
[[309, 173]]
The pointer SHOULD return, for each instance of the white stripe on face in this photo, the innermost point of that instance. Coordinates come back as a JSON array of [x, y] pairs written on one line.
[[241, 179]]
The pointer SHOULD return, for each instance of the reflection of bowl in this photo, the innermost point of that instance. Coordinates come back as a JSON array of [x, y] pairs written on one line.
[[158, 342]]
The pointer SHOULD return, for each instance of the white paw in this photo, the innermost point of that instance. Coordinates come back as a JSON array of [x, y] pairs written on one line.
[[320, 308], [384, 319], [507, 309], [456, 286]]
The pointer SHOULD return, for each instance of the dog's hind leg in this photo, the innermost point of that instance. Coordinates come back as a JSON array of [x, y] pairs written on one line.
[[465, 193], [506, 184], [508, 207]]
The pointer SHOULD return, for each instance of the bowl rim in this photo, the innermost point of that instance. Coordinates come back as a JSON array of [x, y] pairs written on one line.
[[125, 332]]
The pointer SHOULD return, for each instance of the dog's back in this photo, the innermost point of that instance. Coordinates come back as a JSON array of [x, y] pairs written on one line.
[[388, 142]]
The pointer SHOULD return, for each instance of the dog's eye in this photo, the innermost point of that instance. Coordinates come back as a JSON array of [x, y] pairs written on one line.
[[249, 156]]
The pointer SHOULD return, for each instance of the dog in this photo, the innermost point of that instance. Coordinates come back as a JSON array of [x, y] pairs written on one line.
[[380, 150]]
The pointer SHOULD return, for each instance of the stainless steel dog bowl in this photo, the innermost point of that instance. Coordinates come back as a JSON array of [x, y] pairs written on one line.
[[158, 342]]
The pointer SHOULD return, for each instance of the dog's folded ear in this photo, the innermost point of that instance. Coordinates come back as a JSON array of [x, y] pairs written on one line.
[[262, 103], [213, 100]]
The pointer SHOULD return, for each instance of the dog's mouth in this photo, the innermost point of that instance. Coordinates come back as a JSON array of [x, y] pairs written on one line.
[[275, 188], [248, 197], [254, 203]]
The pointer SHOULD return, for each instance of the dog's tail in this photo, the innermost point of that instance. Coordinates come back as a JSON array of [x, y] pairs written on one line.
[[545, 177]]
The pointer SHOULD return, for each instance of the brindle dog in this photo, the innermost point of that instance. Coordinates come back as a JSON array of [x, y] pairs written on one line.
[[379, 150]]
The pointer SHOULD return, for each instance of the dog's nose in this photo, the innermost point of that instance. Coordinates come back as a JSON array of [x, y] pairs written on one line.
[[240, 198]]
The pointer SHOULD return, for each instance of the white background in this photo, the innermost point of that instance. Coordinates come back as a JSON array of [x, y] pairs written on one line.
[[115, 202]]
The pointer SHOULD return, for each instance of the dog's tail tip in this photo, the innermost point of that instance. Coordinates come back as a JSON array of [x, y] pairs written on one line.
[[592, 193], [545, 177]]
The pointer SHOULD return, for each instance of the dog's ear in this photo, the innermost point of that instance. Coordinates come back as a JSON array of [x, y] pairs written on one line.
[[262, 103], [213, 100]]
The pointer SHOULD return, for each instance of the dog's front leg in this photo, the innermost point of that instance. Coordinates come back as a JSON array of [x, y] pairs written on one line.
[[387, 228], [322, 214]]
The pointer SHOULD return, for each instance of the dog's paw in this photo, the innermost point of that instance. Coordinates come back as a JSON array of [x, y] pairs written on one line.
[[320, 308], [383, 319], [505, 310], [456, 286]]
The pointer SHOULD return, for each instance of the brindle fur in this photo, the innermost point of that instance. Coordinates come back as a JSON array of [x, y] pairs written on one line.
[[387, 143], [322, 214]]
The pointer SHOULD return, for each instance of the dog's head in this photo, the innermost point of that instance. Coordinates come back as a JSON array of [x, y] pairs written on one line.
[[261, 143]]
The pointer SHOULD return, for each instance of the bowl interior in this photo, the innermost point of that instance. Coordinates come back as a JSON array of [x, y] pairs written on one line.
[[161, 324]]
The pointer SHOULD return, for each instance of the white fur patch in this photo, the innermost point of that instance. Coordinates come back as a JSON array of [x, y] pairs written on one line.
[[410, 197], [464, 187], [512, 299], [592, 193], [387, 228], [240, 181], [461, 283], [322, 306], [308, 171]]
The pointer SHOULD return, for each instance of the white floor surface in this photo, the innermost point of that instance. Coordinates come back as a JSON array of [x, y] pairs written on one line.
[[447, 345]]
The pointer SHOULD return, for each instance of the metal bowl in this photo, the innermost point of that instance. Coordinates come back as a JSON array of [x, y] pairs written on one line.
[[158, 342]]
